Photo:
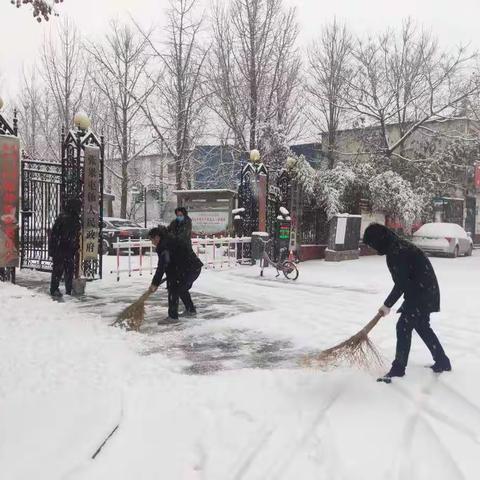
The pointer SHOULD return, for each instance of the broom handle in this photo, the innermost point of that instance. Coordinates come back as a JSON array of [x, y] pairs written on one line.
[[364, 332], [371, 324]]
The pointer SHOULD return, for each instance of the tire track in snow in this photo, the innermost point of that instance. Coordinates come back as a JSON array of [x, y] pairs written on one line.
[[319, 419], [404, 465], [453, 423], [288, 450]]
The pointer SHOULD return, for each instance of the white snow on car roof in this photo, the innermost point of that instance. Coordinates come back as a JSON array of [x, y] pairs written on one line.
[[440, 230]]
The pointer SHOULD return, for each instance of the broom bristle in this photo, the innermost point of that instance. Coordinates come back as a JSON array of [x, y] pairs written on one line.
[[134, 315], [358, 351]]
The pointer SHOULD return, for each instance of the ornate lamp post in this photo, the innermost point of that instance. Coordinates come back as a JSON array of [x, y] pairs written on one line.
[[253, 193], [82, 179]]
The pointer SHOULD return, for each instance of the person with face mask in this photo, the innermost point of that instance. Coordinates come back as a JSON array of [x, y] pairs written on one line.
[[415, 279], [63, 245], [181, 227]]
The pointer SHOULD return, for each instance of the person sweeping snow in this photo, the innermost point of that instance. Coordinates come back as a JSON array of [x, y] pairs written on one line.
[[415, 279], [181, 266]]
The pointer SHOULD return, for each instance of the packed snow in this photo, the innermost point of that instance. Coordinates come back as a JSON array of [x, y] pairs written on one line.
[[68, 380], [437, 230]]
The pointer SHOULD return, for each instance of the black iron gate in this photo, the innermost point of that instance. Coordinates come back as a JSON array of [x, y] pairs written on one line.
[[46, 187], [41, 183]]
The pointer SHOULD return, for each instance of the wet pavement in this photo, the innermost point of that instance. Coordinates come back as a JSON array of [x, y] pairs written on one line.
[[205, 342]]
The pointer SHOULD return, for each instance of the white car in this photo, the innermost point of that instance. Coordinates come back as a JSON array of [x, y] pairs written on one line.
[[443, 239]]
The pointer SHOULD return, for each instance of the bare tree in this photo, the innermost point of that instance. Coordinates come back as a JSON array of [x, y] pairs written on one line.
[[38, 115], [118, 75], [406, 81], [329, 74], [64, 70], [254, 67], [176, 107]]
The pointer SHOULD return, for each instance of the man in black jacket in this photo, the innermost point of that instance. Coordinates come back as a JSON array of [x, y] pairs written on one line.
[[180, 265], [63, 245], [181, 227], [415, 279]]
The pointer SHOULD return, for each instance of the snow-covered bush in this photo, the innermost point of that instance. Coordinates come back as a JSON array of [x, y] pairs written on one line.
[[332, 188], [393, 195]]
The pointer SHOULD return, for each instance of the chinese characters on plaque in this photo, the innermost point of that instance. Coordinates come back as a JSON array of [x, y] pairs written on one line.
[[91, 195], [9, 196]]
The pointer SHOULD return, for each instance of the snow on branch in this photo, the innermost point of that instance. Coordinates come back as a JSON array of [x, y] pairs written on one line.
[[394, 195]]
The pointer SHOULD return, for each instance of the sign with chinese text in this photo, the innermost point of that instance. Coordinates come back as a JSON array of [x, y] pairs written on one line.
[[91, 206], [209, 223], [9, 200]]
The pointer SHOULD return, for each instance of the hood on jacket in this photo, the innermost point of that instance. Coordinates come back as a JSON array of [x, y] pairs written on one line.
[[380, 238]]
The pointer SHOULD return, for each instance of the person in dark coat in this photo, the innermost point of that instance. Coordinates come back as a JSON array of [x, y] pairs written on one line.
[[63, 245], [180, 265], [181, 227], [415, 279]]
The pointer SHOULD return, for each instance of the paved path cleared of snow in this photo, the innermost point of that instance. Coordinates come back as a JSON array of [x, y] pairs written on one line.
[[67, 380]]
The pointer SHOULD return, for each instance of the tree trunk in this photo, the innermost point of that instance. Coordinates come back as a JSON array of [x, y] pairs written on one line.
[[253, 88], [124, 199]]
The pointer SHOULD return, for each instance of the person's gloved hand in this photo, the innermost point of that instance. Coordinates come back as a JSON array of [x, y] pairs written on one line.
[[384, 311], [153, 288]]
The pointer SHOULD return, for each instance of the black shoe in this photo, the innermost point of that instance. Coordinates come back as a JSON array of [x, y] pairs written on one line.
[[395, 371], [56, 294], [442, 366], [189, 313]]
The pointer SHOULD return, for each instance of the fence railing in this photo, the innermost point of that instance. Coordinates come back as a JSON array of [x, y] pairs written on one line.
[[215, 253], [221, 252], [130, 246]]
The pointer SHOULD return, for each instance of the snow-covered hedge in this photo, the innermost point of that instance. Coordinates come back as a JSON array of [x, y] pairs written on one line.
[[389, 192], [393, 195]]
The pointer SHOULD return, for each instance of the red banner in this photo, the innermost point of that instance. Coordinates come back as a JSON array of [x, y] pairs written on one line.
[[9, 200], [477, 175]]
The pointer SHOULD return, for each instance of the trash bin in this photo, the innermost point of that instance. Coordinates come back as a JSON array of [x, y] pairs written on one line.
[[258, 245]]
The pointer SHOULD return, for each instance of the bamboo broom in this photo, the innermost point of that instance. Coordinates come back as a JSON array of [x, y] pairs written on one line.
[[357, 350], [133, 315]]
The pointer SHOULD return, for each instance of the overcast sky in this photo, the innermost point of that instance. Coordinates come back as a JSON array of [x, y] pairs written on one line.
[[454, 21]]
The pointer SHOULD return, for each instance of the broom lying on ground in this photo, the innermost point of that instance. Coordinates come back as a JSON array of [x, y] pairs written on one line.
[[357, 350], [134, 314]]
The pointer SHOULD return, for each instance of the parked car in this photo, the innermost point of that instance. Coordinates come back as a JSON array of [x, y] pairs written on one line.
[[121, 229], [443, 239]]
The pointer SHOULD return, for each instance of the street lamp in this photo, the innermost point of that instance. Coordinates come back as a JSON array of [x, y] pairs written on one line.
[[82, 121], [254, 156]]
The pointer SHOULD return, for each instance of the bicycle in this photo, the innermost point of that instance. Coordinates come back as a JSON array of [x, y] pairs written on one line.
[[284, 266]]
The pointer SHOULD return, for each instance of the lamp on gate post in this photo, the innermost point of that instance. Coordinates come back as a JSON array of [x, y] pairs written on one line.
[[82, 121]]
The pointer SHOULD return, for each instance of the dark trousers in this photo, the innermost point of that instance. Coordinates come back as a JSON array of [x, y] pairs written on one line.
[[62, 264], [420, 322], [180, 290]]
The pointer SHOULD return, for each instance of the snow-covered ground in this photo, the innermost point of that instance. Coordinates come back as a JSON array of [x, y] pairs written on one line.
[[222, 396]]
